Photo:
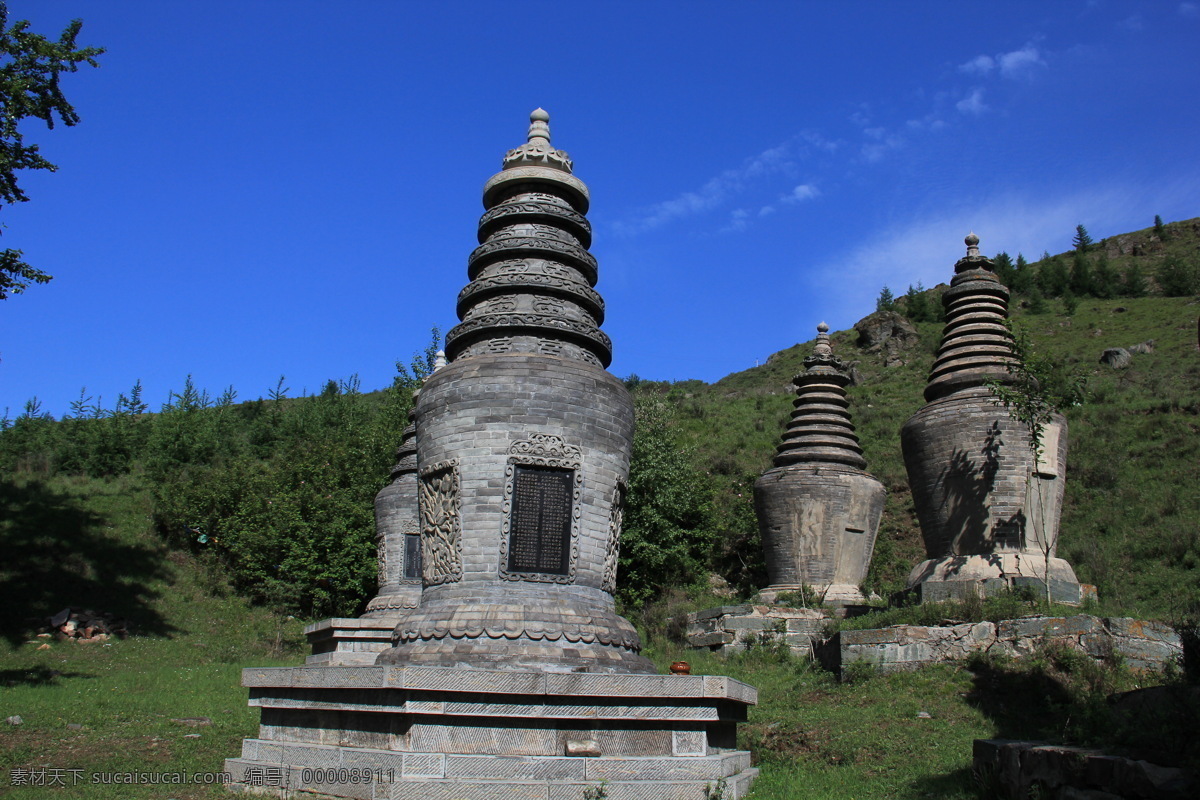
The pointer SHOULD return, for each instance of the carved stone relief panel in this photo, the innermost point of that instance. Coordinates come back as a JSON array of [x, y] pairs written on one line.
[[441, 523], [616, 520]]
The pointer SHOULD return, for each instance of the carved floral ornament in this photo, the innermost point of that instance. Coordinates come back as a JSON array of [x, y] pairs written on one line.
[[441, 523], [550, 451]]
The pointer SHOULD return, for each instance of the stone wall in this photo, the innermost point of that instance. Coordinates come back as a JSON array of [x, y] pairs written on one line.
[[728, 629], [1143, 645]]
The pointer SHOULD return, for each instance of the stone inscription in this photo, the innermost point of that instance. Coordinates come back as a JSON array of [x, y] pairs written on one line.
[[540, 527], [412, 555]]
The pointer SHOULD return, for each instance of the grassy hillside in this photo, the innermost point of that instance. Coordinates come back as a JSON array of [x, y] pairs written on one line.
[[1133, 468]]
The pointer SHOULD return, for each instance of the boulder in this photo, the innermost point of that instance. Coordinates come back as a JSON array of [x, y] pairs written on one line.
[[1116, 357], [877, 330]]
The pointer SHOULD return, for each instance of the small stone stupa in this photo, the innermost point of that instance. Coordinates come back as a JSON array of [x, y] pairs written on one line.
[[515, 677], [988, 507], [818, 509], [398, 554]]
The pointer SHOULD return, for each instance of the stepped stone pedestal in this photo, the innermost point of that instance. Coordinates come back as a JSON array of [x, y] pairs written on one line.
[[429, 733]]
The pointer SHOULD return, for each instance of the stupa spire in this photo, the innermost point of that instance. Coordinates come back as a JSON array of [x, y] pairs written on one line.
[[820, 429], [532, 276], [976, 344]]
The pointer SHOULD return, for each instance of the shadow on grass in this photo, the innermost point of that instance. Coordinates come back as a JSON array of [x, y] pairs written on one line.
[[959, 783], [57, 555], [1023, 704], [37, 676]]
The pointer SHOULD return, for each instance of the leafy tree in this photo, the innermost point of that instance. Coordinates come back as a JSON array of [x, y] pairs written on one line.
[[1134, 284], [1082, 241], [664, 542], [886, 301], [1177, 278], [30, 70]]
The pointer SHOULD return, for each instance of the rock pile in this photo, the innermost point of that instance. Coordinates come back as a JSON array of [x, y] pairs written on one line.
[[85, 625]]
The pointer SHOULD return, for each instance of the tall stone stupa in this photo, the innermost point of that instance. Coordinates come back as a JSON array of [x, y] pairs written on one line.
[[818, 508], [988, 506], [523, 445]]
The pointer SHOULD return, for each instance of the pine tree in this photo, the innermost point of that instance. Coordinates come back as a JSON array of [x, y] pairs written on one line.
[[1081, 275], [1053, 277], [1105, 281], [1022, 276], [1004, 269], [1159, 230], [886, 301], [1082, 241], [916, 304]]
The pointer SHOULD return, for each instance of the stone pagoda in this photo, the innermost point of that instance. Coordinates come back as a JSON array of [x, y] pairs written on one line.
[[515, 676], [818, 509], [988, 505], [398, 553]]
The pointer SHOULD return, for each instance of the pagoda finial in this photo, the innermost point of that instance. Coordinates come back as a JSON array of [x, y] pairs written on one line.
[[822, 346], [972, 242], [537, 150]]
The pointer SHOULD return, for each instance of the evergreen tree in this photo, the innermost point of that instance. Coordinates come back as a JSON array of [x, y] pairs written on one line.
[[30, 70], [1053, 277], [1070, 302], [1105, 281], [1081, 275], [1134, 284], [1159, 230], [1004, 269], [886, 301], [1037, 301], [1082, 241], [1022, 276], [916, 304]]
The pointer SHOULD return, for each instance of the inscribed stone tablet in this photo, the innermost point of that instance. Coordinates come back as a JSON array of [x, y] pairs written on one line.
[[540, 525]]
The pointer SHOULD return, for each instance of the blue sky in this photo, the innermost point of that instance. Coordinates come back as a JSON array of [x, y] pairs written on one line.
[[266, 188]]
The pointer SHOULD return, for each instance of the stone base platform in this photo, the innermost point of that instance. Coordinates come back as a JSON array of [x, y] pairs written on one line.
[[349, 641], [464, 734], [958, 577]]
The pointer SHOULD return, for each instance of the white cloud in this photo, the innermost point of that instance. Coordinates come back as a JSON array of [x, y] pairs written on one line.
[[766, 211], [737, 221], [1190, 10], [979, 65], [1013, 64], [805, 191], [924, 250], [712, 194], [972, 103], [1019, 63]]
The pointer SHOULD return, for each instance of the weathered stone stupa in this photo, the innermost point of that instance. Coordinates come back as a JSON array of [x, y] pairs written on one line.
[[515, 677], [818, 509], [988, 508], [398, 553]]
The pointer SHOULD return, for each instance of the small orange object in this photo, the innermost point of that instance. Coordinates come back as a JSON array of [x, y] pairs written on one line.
[[681, 668]]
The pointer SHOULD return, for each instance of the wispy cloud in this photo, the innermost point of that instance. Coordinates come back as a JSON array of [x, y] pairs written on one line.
[[1190, 10], [805, 191], [714, 193], [1133, 23], [1013, 64], [972, 103]]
